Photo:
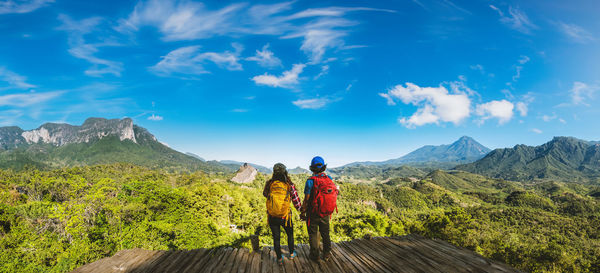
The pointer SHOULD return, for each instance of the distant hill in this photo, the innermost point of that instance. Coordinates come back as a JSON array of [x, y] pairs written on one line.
[[563, 158], [299, 170], [236, 164], [379, 171], [96, 141], [464, 150], [196, 156]]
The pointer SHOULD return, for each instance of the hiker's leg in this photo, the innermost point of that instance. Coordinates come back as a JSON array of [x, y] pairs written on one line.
[[289, 231], [324, 230], [313, 236], [274, 224]]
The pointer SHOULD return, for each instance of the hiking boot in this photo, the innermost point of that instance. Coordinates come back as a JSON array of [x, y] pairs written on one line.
[[326, 257], [280, 260], [293, 255]]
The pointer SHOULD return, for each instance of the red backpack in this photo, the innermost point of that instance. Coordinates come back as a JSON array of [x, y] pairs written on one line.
[[324, 195]]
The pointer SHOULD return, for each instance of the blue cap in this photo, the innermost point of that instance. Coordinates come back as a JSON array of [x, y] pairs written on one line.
[[317, 160]]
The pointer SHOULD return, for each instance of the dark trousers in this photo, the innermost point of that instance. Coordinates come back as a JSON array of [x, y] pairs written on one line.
[[275, 224], [320, 225]]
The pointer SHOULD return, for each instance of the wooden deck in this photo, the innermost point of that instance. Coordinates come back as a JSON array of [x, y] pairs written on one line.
[[382, 254]]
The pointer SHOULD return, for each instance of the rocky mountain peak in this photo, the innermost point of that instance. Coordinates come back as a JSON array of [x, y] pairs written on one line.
[[60, 134], [245, 174]]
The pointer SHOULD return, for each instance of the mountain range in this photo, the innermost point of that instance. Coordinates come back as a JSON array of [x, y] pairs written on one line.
[[105, 141], [464, 150], [562, 158]]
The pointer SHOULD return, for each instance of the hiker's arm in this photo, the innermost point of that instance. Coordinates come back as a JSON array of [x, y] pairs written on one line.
[[307, 189], [305, 202], [296, 198], [266, 189]]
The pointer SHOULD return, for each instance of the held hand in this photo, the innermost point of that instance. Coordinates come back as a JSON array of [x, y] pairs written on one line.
[[303, 216]]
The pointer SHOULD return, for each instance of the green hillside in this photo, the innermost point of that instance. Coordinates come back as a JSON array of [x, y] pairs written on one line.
[[56, 220], [147, 152]]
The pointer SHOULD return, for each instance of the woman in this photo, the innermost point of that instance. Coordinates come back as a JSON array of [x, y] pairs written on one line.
[[279, 191]]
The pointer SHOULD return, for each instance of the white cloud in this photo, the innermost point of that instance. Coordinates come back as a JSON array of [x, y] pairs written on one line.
[[181, 20], [319, 36], [155, 117], [316, 103], [522, 108], [265, 58], [27, 99], [580, 92], [524, 59], [478, 67], [516, 19], [239, 110], [14, 80], [189, 60], [324, 71], [547, 118], [575, 33], [500, 109], [518, 68], [82, 49], [562, 121], [22, 6], [536, 130], [287, 80], [188, 20], [435, 104]]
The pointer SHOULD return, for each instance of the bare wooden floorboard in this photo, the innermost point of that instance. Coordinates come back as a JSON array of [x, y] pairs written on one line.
[[411, 254]]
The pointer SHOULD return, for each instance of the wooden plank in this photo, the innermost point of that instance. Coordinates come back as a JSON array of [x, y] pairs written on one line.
[[160, 267], [200, 264], [350, 257], [243, 261], [335, 260], [216, 259], [141, 258], [255, 264], [177, 261], [463, 256], [373, 254], [389, 253], [150, 263], [344, 264], [449, 261], [409, 255], [230, 261], [359, 256], [301, 260], [406, 254], [366, 260], [108, 263], [183, 263], [309, 264], [193, 260], [264, 260], [218, 266]]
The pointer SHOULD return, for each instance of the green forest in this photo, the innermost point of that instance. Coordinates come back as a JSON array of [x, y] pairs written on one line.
[[57, 220]]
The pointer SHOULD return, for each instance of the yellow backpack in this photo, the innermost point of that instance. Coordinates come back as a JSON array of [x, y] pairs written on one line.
[[278, 203]]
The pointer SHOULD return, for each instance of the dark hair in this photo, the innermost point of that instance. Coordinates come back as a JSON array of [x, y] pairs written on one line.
[[284, 177], [318, 168]]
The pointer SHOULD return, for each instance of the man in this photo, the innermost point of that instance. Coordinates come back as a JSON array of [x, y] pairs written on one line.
[[320, 201]]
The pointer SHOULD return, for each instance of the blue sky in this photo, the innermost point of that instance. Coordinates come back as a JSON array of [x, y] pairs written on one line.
[[283, 81]]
